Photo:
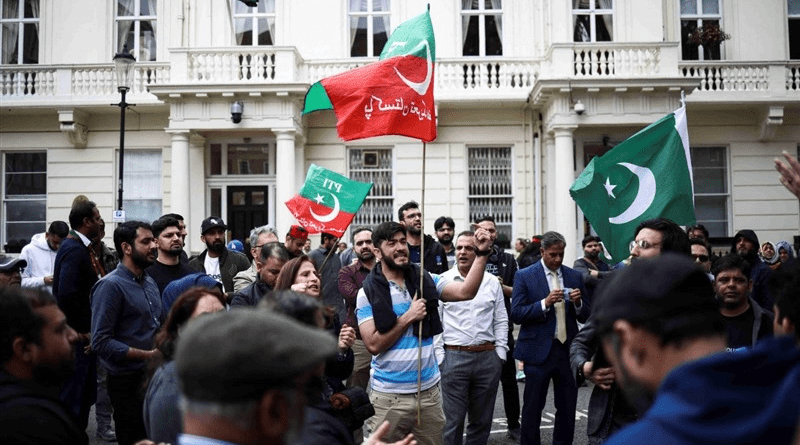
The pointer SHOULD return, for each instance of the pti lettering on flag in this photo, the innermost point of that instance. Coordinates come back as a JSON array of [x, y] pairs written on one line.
[[328, 201], [393, 96], [649, 175]]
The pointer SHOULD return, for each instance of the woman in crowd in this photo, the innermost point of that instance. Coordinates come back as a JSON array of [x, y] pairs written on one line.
[[769, 255], [785, 252], [162, 418]]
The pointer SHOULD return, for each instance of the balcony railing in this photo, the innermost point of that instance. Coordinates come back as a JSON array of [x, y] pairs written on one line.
[[613, 60], [746, 79]]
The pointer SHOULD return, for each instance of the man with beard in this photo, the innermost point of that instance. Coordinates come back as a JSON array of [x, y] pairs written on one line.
[[10, 271], [37, 354], [184, 233], [168, 266], [435, 258], [351, 277], [76, 270], [662, 332], [217, 261], [745, 244], [445, 229], [387, 307], [40, 254], [126, 314], [295, 241], [745, 321], [504, 267], [271, 258], [591, 267], [328, 265]]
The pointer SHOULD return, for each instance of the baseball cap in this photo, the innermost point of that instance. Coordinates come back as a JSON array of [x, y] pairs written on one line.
[[236, 245], [212, 222], [669, 288], [177, 287], [237, 355], [10, 264], [298, 232]]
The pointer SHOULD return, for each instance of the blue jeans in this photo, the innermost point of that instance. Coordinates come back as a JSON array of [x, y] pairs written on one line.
[[469, 386]]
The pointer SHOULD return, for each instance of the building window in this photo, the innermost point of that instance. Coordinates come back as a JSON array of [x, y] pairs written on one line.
[[794, 29], [369, 27], [254, 25], [142, 185], [490, 192], [592, 20], [24, 198], [136, 27], [20, 31], [482, 27], [373, 165], [711, 190], [696, 14]]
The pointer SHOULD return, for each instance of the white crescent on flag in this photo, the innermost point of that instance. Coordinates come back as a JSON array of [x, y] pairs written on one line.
[[330, 216], [644, 196], [420, 87]]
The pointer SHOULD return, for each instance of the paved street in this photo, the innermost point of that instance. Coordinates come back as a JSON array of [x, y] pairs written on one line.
[[498, 436]]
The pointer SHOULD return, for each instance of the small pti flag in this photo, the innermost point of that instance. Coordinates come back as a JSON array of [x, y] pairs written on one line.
[[391, 96], [647, 176], [328, 201]]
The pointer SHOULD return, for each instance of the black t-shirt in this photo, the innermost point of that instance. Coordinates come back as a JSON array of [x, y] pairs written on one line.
[[740, 329], [413, 255], [164, 274]]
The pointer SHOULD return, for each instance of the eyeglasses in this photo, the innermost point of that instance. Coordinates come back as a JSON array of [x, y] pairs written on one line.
[[642, 244], [702, 258]]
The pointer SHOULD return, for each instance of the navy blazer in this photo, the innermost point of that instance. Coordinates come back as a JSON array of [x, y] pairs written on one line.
[[538, 327]]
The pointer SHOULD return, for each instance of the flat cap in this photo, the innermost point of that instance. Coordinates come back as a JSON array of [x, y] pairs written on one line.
[[670, 288], [9, 263], [238, 355]]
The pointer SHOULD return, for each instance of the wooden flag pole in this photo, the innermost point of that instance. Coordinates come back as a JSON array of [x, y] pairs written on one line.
[[419, 290]]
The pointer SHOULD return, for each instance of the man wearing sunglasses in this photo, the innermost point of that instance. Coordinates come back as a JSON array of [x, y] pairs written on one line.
[[701, 254]]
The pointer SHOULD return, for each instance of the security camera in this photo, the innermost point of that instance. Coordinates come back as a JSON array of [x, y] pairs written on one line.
[[236, 111], [579, 108]]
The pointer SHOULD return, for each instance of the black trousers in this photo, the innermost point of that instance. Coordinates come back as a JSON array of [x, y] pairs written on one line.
[[127, 398], [508, 380]]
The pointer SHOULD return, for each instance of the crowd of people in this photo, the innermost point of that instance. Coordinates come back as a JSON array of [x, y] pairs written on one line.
[[404, 336]]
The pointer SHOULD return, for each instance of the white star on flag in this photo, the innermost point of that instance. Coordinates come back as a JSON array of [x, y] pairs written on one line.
[[609, 188], [318, 199]]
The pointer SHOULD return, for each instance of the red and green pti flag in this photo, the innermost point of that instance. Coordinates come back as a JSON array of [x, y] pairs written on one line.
[[391, 96], [328, 201]]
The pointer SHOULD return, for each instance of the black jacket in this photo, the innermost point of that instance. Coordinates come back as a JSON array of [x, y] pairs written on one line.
[[250, 295], [230, 263], [435, 257]]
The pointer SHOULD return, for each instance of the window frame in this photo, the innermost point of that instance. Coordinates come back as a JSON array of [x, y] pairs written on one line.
[[4, 200], [255, 15], [21, 22], [487, 195], [698, 17], [370, 15], [726, 165], [367, 174], [137, 20], [593, 12], [481, 13]]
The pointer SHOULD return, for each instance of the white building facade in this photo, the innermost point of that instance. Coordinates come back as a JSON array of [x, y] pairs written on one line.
[[508, 77]]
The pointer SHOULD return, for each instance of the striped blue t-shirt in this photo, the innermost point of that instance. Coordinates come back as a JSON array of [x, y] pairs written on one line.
[[395, 370]]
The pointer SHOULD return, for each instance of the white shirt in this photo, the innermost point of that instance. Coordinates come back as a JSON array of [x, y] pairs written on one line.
[[549, 275], [473, 322], [211, 266]]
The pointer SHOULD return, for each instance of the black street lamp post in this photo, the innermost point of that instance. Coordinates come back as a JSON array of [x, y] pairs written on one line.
[[124, 63]]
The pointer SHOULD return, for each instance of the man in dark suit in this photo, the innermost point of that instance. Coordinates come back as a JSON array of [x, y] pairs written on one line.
[[546, 302]]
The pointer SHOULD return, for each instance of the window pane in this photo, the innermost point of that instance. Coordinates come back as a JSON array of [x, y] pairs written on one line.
[[379, 36], [10, 53], [580, 28], [144, 7], [248, 160], [490, 191], [709, 180], [688, 48], [358, 6], [266, 6], [142, 185], [147, 41], [581, 4], [123, 10], [380, 5], [216, 202], [712, 212], [21, 184], [19, 234], [264, 35], [31, 9], [494, 41], [688, 6], [30, 50], [373, 165], [244, 31], [794, 7], [710, 7], [125, 28], [488, 4], [142, 209], [26, 162], [25, 211], [472, 5], [604, 28], [359, 46], [471, 41], [216, 160], [708, 157], [794, 39], [240, 8]]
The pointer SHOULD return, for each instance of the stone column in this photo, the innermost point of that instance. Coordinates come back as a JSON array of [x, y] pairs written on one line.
[[286, 184], [562, 179], [179, 181]]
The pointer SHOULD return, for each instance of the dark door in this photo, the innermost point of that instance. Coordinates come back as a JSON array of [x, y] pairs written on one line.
[[247, 208]]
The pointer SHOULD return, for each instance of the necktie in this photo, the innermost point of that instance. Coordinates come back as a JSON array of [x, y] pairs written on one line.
[[561, 318]]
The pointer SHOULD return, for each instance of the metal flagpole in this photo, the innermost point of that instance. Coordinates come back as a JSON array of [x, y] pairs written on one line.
[[419, 290]]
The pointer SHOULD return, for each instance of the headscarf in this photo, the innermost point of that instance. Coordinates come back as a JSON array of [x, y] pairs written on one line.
[[785, 246], [769, 260]]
